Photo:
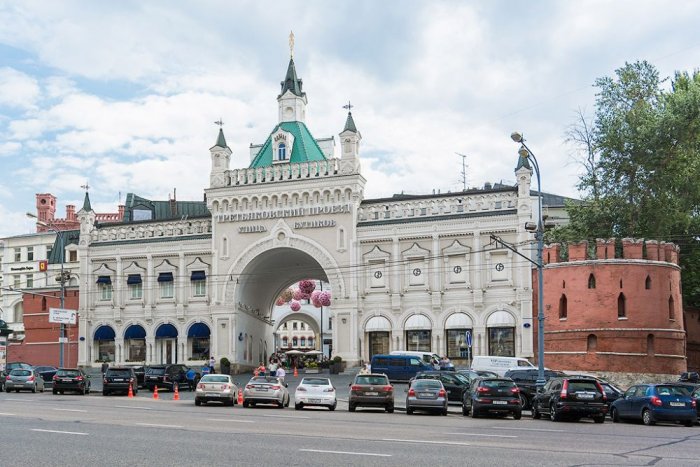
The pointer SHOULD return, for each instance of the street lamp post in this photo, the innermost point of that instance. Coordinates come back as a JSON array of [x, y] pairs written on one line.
[[526, 153]]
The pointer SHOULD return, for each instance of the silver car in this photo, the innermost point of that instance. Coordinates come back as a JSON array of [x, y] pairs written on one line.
[[426, 394], [217, 388], [24, 380], [315, 391], [265, 390]]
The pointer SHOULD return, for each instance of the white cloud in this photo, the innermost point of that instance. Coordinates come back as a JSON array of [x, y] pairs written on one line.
[[18, 89]]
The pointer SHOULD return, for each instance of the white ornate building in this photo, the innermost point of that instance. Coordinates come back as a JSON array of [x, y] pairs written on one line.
[[178, 281]]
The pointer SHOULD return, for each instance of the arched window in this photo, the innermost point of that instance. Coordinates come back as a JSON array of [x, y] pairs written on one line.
[[621, 309], [647, 283], [563, 307], [563, 284], [591, 343], [43, 303], [620, 283], [671, 310], [282, 152], [650, 344], [285, 342], [591, 281], [303, 342], [311, 341]]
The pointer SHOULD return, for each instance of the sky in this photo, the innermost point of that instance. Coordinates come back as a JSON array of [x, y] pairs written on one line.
[[123, 96]]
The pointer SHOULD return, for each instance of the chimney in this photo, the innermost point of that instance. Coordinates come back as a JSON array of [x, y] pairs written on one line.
[[121, 212], [652, 250], [70, 212]]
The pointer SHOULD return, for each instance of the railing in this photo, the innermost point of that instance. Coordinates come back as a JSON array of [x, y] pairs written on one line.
[[281, 172]]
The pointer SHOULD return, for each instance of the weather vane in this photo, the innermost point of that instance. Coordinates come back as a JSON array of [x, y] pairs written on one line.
[[348, 106], [219, 122], [85, 187], [291, 44]]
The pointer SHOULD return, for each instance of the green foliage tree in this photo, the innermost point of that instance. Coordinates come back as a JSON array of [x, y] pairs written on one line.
[[641, 160]]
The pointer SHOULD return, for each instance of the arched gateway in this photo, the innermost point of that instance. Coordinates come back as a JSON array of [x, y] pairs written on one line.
[[398, 267]]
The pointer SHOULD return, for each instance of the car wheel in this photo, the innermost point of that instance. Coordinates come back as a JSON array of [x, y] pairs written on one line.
[[33, 389], [17, 391], [287, 403], [246, 404], [197, 402], [599, 419], [648, 418], [105, 393], [61, 392], [465, 410], [688, 423], [614, 415], [7, 389], [409, 411], [535, 413], [55, 392], [517, 415], [389, 409], [298, 406], [553, 414], [83, 392], [332, 407], [351, 408], [444, 412], [524, 403]]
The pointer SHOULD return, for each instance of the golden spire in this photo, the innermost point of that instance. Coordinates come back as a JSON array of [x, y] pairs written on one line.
[[291, 44]]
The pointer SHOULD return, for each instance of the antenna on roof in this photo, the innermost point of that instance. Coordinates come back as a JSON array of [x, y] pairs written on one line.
[[464, 170]]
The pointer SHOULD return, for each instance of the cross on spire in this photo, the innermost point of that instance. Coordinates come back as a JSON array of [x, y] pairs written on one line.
[[348, 106], [219, 122], [85, 187]]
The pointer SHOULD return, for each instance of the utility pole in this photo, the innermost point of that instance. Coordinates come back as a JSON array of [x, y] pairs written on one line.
[[464, 170]]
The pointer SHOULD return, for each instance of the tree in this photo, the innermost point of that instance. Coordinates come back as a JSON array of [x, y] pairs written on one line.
[[642, 165]]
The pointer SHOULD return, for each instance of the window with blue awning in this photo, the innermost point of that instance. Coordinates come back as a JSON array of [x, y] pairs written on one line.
[[135, 331], [198, 330], [166, 331], [104, 333], [198, 276], [133, 279], [165, 277], [104, 280]]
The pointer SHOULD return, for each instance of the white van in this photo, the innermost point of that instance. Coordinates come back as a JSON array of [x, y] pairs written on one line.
[[500, 365], [427, 357]]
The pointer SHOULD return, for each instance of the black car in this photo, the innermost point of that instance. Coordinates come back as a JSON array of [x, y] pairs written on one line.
[[612, 392], [571, 397], [46, 372], [454, 383], [140, 372], [166, 377], [12, 366], [526, 380], [492, 396], [71, 379], [118, 379]]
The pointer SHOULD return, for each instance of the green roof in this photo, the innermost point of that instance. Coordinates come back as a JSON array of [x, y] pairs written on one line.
[[221, 141], [305, 148], [523, 162], [350, 124], [86, 203], [69, 237], [161, 210], [291, 82]]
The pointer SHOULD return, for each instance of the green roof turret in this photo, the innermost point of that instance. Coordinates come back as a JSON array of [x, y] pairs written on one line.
[[291, 82], [221, 141], [86, 203], [350, 124]]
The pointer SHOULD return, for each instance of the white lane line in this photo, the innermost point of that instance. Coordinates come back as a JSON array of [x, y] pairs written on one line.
[[7, 414], [526, 429], [19, 400], [287, 416], [346, 452], [132, 407], [229, 420], [159, 426], [422, 441], [61, 432], [483, 434], [71, 410]]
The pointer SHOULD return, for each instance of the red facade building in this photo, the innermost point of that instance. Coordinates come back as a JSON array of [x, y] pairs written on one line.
[[614, 312]]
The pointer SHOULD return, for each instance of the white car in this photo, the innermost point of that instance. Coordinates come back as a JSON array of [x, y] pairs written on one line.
[[217, 388], [315, 392]]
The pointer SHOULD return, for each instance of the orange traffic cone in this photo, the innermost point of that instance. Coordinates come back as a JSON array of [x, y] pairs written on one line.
[[240, 397], [131, 393], [176, 396], [155, 392], [296, 372]]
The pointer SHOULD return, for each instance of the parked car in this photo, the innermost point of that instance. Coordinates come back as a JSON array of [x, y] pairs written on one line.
[[612, 392], [399, 367], [46, 373], [455, 384], [696, 397], [216, 388], [429, 358], [371, 390], [21, 379], [499, 396], [265, 390], [140, 372], [166, 377], [526, 380], [656, 402], [315, 391], [9, 367], [118, 379], [690, 377], [500, 365], [427, 394], [572, 397], [71, 379]]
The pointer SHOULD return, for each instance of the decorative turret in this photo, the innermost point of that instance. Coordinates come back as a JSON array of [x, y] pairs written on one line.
[[87, 218], [220, 159], [292, 100], [350, 138]]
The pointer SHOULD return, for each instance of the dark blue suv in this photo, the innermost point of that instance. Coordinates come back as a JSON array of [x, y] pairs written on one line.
[[655, 402]]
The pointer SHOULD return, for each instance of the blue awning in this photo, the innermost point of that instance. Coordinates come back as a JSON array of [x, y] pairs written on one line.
[[104, 333], [165, 277], [104, 280], [133, 279], [166, 330], [198, 276], [135, 331], [199, 330]]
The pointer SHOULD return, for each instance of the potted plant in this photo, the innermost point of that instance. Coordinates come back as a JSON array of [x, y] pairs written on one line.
[[225, 366], [336, 365], [311, 367]]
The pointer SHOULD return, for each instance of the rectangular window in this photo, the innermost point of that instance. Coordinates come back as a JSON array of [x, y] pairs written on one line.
[[199, 288], [18, 255], [106, 291], [30, 253], [73, 256], [166, 290], [457, 343], [136, 291], [137, 350], [418, 340], [30, 281], [200, 348], [294, 325], [502, 342], [48, 251], [17, 282], [330, 324]]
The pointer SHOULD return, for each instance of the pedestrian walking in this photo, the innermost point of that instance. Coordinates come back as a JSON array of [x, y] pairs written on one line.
[[273, 368], [364, 370], [280, 373], [212, 362], [261, 369], [191, 375], [105, 367]]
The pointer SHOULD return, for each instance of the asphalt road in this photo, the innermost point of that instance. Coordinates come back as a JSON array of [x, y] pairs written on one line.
[[43, 429]]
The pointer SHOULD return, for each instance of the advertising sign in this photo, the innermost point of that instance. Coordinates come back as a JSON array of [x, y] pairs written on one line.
[[62, 316]]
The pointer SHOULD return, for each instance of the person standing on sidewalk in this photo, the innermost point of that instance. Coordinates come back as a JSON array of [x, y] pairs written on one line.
[[105, 367], [273, 368], [281, 373], [212, 362]]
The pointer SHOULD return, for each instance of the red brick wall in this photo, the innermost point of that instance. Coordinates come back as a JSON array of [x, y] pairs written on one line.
[[692, 327], [621, 345], [40, 345]]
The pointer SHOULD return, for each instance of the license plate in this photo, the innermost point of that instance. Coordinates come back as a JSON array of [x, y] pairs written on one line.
[[586, 396], [118, 379], [425, 396], [262, 389], [677, 404], [67, 380], [500, 402], [314, 401], [213, 394], [371, 394]]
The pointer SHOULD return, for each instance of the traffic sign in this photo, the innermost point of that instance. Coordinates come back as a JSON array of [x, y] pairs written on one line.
[[469, 339], [62, 316], [63, 339]]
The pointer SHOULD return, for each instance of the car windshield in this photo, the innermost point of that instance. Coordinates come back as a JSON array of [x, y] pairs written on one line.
[[214, 379], [368, 379], [426, 384], [67, 373], [461, 378], [155, 371], [583, 386], [316, 381], [25, 366], [118, 372], [671, 390], [497, 383], [21, 372], [265, 379]]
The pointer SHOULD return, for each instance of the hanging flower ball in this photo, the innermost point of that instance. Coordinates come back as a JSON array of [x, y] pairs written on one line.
[[298, 294], [307, 286], [287, 295], [325, 298], [280, 301], [295, 305]]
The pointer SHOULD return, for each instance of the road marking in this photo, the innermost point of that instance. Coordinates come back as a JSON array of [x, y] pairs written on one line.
[[482, 434], [287, 416], [71, 410], [19, 400], [422, 441], [9, 414], [228, 420], [61, 432], [132, 407], [346, 452], [525, 429], [160, 426]]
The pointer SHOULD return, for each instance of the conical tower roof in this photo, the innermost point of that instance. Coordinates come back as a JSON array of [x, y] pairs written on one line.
[[291, 82]]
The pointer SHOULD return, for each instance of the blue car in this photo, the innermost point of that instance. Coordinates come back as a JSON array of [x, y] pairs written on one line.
[[653, 403]]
